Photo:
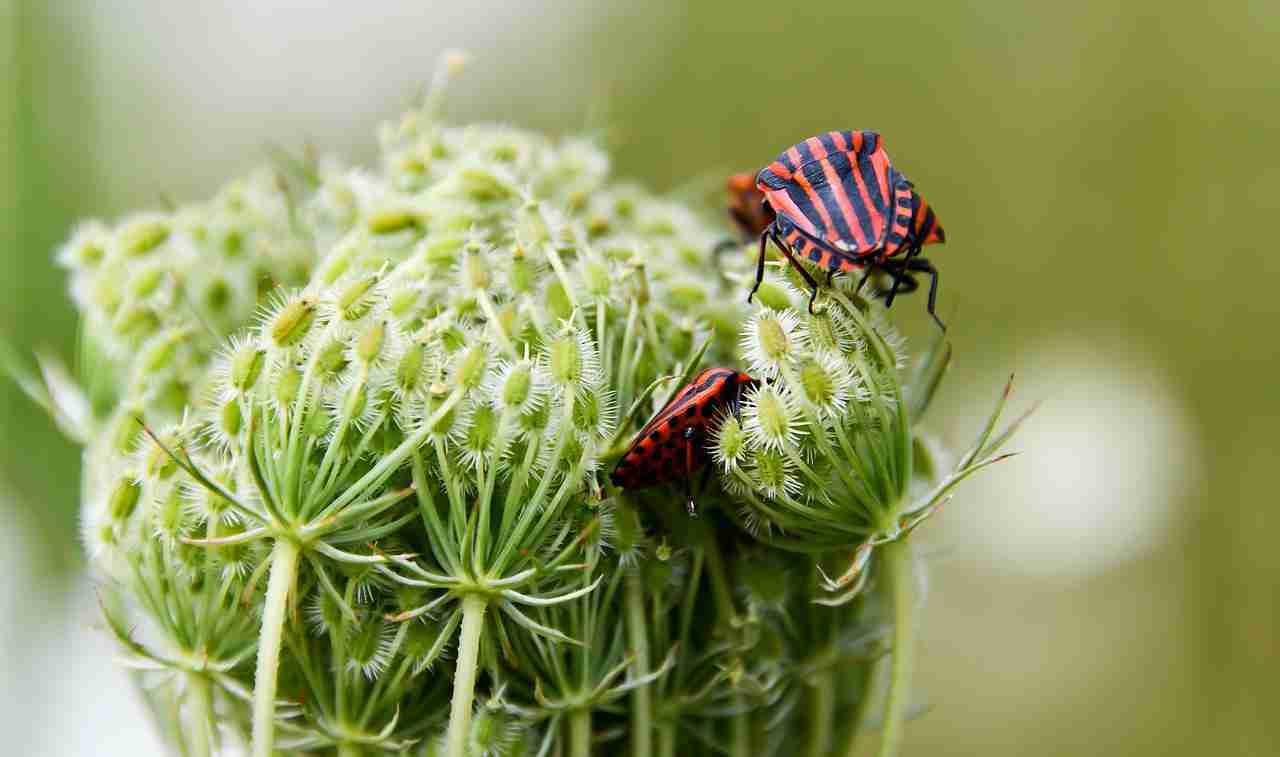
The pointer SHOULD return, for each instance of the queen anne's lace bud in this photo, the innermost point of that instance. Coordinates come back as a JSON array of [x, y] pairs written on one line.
[[363, 417]]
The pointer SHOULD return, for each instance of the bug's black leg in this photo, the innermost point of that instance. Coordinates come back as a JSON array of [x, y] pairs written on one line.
[[902, 282], [688, 473], [926, 266], [901, 276], [764, 240], [865, 276], [893, 292], [808, 279], [830, 277]]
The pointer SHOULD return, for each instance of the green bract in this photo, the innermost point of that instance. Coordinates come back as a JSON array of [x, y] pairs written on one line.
[[347, 441]]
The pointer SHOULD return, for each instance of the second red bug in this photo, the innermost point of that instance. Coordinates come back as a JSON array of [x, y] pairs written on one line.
[[673, 444]]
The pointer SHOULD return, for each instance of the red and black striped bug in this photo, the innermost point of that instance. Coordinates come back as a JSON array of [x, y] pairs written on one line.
[[673, 444], [839, 203]]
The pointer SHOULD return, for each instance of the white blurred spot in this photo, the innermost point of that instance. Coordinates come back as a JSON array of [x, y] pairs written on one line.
[[62, 691], [1104, 463]]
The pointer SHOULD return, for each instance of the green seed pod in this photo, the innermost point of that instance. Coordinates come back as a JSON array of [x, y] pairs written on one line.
[[352, 301], [476, 273], [773, 296], [331, 358], [338, 262], [136, 322], [157, 355], [124, 499], [409, 370], [246, 366], [771, 419], [369, 345], [167, 514], [357, 400], [482, 185], [730, 443], [143, 236], [481, 433], [595, 275], [288, 382], [403, 301], [391, 221], [772, 474], [125, 430], [293, 321], [565, 361], [160, 465], [469, 367], [146, 281], [229, 419], [521, 274], [517, 386], [531, 229]]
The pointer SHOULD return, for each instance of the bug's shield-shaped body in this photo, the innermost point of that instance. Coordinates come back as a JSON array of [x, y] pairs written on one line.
[[837, 188], [673, 444]]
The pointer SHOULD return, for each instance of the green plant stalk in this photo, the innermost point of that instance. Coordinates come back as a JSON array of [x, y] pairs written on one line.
[[284, 572], [202, 716], [580, 732], [666, 740], [464, 677], [896, 561], [740, 725], [347, 749], [822, 707], [861, 714], [641, 698]]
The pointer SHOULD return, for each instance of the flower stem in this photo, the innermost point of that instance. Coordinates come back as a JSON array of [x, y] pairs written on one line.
[[821, 711], [896, 557], [862, 710], [641, 701], [464, 677], [666, 740], [739, 725], [347, 749], [284, 570], [580, 732], [202, 718]]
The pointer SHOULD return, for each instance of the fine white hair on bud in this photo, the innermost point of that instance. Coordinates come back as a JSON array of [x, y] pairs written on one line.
[[771, 340], [772, 418]]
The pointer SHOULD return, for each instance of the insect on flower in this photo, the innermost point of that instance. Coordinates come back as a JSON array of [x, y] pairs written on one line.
[[839, 203], [673, 444]]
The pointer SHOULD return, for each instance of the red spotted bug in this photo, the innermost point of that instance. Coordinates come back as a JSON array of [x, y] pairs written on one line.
[[839, 203], [673, 444]]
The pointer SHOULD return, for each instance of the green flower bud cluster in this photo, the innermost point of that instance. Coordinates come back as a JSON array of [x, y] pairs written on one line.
[[346, 465]]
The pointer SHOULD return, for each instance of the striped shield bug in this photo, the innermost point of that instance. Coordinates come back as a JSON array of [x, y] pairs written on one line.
[[840, 204], [673, 444]]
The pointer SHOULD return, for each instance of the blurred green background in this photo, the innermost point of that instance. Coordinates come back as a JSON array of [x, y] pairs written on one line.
[[1105, 172]]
